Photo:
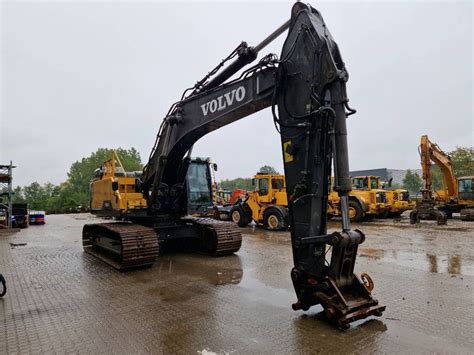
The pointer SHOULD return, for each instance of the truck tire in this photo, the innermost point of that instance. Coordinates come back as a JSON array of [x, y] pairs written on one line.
[[383, 215], [239, 217], [273, 220], [414, 217], [356, 214]]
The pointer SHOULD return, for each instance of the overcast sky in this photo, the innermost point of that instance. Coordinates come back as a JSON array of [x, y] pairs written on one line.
[[76, 76]]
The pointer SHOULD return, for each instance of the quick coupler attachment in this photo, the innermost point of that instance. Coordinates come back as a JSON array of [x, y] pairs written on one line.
[[344, 297]]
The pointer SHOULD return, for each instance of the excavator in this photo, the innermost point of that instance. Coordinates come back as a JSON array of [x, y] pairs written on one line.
[[458, 194], [306, 91]]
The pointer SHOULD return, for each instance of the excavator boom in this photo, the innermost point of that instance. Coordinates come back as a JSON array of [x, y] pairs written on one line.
[[432, 152]]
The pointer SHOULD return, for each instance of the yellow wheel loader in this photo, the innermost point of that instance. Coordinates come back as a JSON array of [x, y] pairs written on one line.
[[267, 205]]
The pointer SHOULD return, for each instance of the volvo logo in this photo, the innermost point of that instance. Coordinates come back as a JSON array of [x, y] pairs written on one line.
[[223, 101]]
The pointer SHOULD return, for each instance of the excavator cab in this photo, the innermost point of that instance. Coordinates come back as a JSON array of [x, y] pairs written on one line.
[[466, 188], [199, 186]]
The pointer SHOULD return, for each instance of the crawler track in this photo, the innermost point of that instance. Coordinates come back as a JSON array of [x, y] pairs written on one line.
[[121, 245], [219, 238]]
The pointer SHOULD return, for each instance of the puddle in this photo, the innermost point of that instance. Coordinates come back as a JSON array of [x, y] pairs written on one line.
[[227, 271], [441, 264], [258, 291]]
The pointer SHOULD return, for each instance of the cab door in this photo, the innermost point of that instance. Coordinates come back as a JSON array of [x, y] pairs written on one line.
[[263, 190]]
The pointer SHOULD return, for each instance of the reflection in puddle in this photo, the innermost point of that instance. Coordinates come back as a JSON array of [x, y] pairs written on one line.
[[453, 264], [230, 273], [371, 253], [450, 264], [267, 294]]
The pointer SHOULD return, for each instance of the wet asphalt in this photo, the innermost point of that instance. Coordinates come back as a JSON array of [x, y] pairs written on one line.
[[61, 300]]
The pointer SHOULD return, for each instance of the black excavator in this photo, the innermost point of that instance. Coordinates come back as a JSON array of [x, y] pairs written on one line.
[[306, 91]]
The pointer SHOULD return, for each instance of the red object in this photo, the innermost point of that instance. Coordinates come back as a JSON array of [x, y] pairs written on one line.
[[238, 194]]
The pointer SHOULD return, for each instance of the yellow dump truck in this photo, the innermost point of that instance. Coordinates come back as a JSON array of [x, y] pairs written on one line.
[[362, 204]]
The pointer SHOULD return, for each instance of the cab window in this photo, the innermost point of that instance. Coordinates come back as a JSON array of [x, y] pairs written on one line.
[[263, 187], [465, 185], [360, 183], [373, 184], [277, 184]]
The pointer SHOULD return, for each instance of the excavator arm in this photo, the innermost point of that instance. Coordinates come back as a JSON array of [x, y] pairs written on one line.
[[306, 89], [431, 152]]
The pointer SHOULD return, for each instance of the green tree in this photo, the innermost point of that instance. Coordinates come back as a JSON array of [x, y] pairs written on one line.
[[267, 169], [412, 181], [463, 161], [18, 196], [238, 183], [76, 192], [38, 196]]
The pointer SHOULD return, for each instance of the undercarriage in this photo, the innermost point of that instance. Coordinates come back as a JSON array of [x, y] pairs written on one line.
[[126, 245]]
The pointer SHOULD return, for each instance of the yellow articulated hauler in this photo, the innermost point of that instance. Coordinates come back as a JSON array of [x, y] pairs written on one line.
[[363, 203], [398, 199]]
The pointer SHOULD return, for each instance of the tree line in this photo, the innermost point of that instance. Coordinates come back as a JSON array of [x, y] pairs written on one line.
[[74, 193]]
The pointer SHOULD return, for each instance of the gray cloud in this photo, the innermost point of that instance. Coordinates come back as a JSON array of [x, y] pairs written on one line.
[[78, 76]]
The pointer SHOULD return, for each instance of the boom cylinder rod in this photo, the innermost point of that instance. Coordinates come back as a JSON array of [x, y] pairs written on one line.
[[246, 57], [272, 36]]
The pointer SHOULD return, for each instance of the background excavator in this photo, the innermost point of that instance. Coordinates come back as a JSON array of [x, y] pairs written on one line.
[[457, 195], [306, 90]]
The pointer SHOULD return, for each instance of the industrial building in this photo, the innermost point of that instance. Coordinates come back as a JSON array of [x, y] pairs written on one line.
[[386, 174]]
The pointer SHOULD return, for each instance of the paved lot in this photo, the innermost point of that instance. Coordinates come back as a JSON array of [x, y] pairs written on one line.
[[62, 300]]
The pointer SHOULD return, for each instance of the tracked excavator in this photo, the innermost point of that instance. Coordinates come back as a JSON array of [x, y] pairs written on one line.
[[306, 91], [458, 193]]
